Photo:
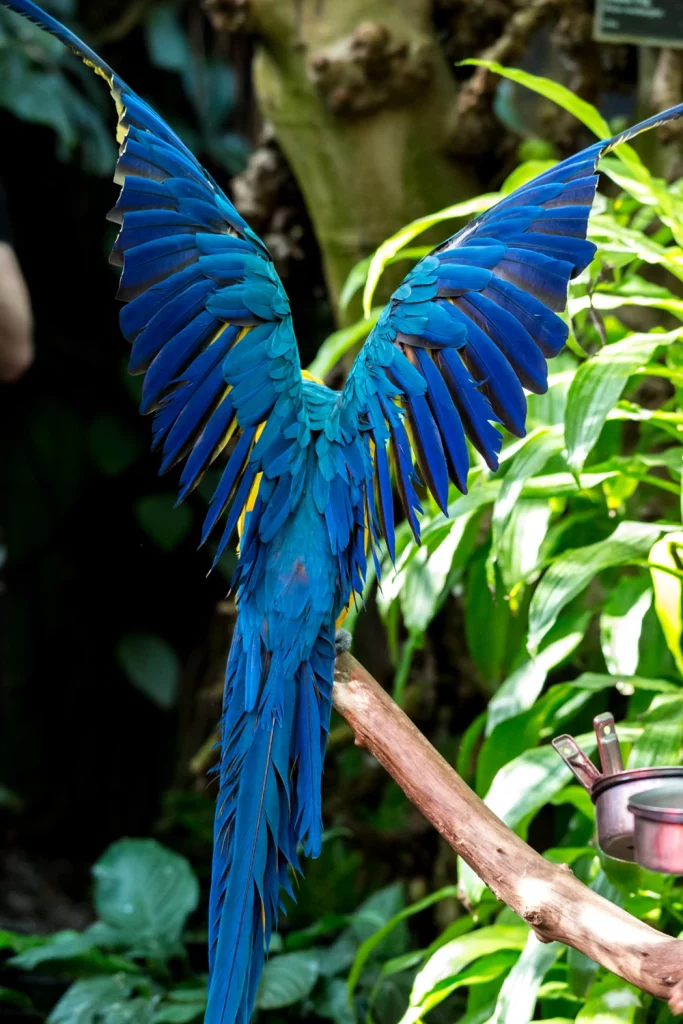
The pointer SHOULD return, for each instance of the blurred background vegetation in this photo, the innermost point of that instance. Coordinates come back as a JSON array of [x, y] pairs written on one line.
[[332, 125]]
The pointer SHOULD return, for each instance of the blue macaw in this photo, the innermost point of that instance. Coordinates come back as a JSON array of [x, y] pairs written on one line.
[[309, 476]]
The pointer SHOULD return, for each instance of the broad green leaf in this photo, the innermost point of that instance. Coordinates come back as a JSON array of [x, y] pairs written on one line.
[[667, 552], [660, 743], [512, 737], [627, 684], [14, 998], [560, 94], [489, 624], [179, 1013], [64, 945], [152, 666], [520, 690], [573, 570], [597, 386], [146, 893], [373, 941], [287, 979], [621, 623], [654, 193], [338, 344], [517, 999], [166, 41], [611, 1001], [182, 1005], [377, 910], [114, 445], [333, 1003], [520, 543], [88, 1001], [425, 576], [618, 298], [531, 457], [398, 241], [614, 239], [450, 960], [558, 485], [338, 957], [165, 525]]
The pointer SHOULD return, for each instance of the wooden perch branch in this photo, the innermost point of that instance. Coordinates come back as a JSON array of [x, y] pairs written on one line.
[[547, 896]]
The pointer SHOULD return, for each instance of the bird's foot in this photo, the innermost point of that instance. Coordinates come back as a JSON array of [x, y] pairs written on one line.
[[342, 641]]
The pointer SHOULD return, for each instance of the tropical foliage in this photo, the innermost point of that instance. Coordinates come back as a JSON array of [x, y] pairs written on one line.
[[565, 569]]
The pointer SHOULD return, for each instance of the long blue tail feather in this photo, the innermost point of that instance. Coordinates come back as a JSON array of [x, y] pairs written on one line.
[[268, 804]]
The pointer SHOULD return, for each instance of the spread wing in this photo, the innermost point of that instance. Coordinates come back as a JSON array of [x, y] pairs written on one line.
[[469, 329], [206, 312]]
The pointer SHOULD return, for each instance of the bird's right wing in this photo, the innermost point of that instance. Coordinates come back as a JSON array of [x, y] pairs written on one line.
[[470, 328]]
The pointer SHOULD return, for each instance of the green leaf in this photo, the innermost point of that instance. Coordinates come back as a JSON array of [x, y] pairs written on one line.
[[333, 1003], [517, 998], [489, 647], [114, 446], [146, 893], [660, 743], [152, 666], [165, 525], [597, 386], [377, 910], [392, 245], [14, 998], [166, 42], [61, 946], [338, 957], [611, 1001], [667, 552], [422, 584], [338, 344], [287, 979], [520, 690], [537, 448], [565, 98], [182, 1012], [621, 623], [373, 941], [574, 569], [90, 1000], [450, 960], [520, 544]]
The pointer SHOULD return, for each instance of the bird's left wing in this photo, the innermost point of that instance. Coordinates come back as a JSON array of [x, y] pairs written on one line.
[[206, 312], [469, 329]]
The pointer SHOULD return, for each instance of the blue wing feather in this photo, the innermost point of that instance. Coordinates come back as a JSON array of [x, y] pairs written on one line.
[[477, 318]]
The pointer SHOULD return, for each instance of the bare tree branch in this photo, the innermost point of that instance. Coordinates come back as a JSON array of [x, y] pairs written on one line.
[[547, 896]]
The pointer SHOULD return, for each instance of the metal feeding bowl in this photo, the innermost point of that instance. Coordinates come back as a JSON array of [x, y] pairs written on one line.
[[637, 819]]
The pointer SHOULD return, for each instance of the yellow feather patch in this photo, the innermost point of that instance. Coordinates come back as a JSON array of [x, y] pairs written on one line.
[[309, 376]]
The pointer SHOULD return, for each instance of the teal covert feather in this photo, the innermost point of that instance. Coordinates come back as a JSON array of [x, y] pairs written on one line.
[[310, 472]]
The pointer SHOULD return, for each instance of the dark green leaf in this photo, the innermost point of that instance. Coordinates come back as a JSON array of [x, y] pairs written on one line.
[[287, 979], [114, 446], [151, 665], [165, 525], [573, 570], [146, 892], [166, 41]]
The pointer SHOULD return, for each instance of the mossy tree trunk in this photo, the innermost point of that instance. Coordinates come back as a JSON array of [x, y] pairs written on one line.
[[359, 94]]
